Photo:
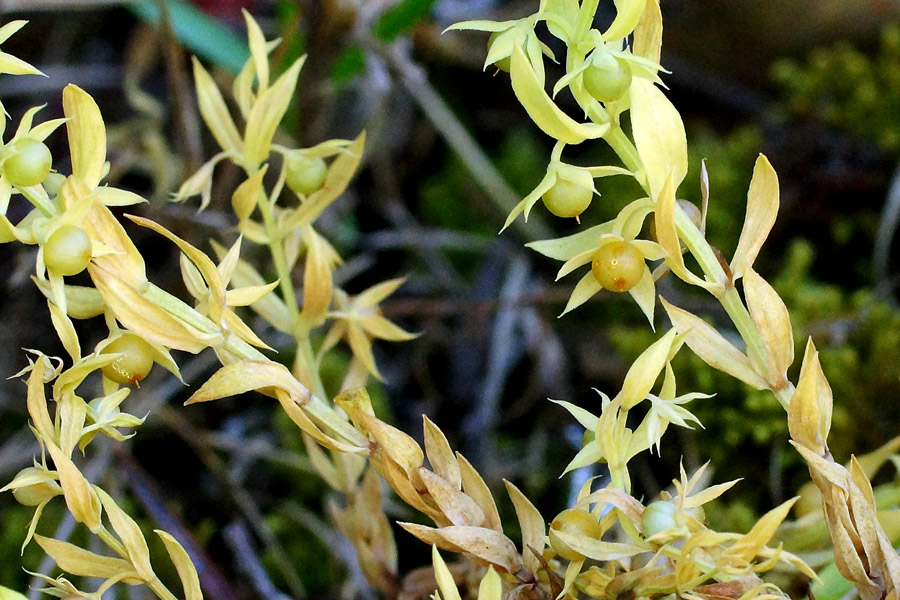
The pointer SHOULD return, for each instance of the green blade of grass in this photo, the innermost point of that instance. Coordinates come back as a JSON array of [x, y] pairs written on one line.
[[200, 33]]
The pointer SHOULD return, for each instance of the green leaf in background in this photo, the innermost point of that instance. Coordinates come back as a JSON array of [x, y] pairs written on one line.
[[400, 18], [350, 63], [200, 33]]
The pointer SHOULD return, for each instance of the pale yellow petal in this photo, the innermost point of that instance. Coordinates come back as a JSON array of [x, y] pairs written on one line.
[[762, 208], [541, 108], [87, 135]]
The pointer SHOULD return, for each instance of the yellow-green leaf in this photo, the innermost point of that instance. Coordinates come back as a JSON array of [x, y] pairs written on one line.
[[267, 112], [532, 525], [440, 455], [214, 112], [772, 321], [762, 208], [81, 562], [444, 578], [541, 108], [658, 135], [87, 135], [712, 347], [186, 570], [130, 535], [146, 318], [627, 17]]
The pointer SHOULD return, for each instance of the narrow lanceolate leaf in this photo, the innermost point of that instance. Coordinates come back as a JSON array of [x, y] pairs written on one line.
[[658, 135], [475, 487], [490, 546], [762, 208], [667, 234], [130, 535], [248, 375], [80, 497], [81, 562], [87, 135], [456, 506], [245, 197], [267, 113], [440, 455], [541, 108], [627, 17], [183, 565], [139, 314], [712, 347], [598, 549], [532, 525], [491, 587], [648, 32], [642, 375], [37, 401], [773, 323], [750, 545], [446, 585], [803, 412], [214, 112]]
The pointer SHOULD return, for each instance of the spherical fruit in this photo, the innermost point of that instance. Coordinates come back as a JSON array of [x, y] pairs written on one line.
[[36, 493], [659, 516], [569, 198], [29, 164], [504, 63], [618, 266], [574, 521], [607, 78], [53, 183], [305, 174], [134, 363], [67, 251]]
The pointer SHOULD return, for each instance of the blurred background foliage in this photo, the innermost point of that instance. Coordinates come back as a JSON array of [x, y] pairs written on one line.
[[815, 85]]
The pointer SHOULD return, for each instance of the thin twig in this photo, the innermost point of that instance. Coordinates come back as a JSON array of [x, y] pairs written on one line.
[[241, 497], [503, 197], [187, 124]]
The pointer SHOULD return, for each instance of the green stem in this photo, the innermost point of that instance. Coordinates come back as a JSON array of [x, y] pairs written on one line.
[[585, 19], [622, 146], [307, 357], [42, 203]]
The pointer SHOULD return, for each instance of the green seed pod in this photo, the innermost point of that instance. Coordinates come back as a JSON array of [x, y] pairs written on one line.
[[504, 63], [67, 251], [575, 521], [608, 77], [36, 493], [570, 195], [618, 266], [305, 174], [135, 361], [29, 164], [53, 182], [659, 516]]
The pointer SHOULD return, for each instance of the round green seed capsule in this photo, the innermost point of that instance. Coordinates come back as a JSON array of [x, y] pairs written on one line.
[[574, 521], [67, 251], [618, 266], [659, 516], [305, 174], [135, 361], [569, 198], [504, 63], [607, 78], [53, 183], [36, 493], [29, 164]]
